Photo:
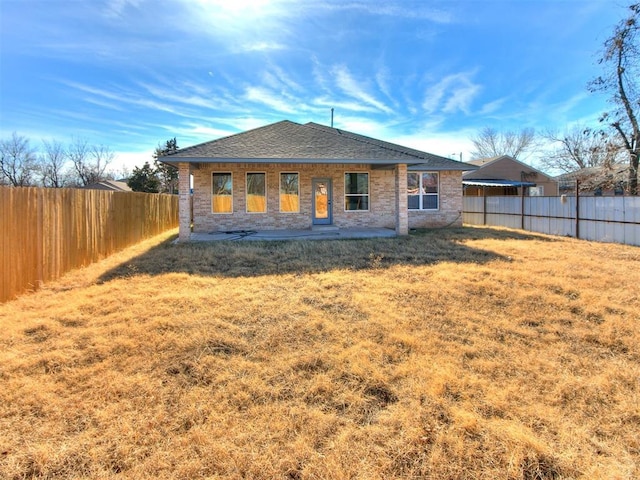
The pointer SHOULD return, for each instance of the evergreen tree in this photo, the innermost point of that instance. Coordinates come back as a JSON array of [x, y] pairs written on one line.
[[167, 174], [144, 179]]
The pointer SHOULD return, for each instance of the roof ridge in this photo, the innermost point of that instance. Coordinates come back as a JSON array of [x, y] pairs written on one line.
[[182, 150], [380, 143]]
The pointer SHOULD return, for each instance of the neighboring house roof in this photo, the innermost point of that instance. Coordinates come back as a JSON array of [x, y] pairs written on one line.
[[290, 142], [112, 185], [592, 178], [481, 161], [485, 163]]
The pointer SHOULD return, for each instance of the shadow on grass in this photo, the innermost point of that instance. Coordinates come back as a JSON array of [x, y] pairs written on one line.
[[256, 258]]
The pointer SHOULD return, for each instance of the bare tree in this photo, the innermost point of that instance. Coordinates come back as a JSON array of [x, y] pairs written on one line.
[[621, 59], [90, 162], [579, 148], [123, 173], [18, 162], [489, 142], [53, 160]]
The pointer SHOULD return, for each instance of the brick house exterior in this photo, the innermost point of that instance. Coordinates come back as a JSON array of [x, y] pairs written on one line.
[[363, 182]]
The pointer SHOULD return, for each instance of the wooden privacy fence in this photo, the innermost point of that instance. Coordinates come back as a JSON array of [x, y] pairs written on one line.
[[601, 219], [47, 232]]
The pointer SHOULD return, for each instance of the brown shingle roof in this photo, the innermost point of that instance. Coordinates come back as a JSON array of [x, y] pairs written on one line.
[[290, 141]]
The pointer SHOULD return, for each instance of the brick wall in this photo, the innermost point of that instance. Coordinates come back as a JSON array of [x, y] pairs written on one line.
[[382, 199], [450, 211]]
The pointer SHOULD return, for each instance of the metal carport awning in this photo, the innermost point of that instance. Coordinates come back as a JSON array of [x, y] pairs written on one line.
[[497, 183]]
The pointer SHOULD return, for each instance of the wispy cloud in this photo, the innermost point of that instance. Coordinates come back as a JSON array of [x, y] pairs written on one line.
[[419, 11], [199, 130], [571, 103], [461, 98], [325, 102], [276, 77], [382, 80], [203, 99], [268, 98], [351, 87], [491, 107], [453, 93], [115, 8], [261, 46], [127, 98], [101, 103]]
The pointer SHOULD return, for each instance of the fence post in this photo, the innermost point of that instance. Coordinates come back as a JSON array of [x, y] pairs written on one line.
[[484, 206], [577, 208], [521, 208]]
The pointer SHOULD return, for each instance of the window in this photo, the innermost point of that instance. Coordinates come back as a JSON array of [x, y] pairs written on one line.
[[536, 191], [222, 193], [256, 192], [422, 191], [289, 192], [356, 191]]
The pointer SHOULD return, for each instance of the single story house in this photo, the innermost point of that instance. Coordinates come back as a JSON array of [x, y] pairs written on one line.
[[603, 180], [504, 175], [288, 175], [110, 185]]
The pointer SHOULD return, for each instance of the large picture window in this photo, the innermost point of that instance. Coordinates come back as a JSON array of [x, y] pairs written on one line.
[[423, 191], [222, 193], [289, 192], [356, 191], [256, 192]]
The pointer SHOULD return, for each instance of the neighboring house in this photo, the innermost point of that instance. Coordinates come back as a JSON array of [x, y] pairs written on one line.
[[111, 185], [292, 176], [604, 180], [505, 175]]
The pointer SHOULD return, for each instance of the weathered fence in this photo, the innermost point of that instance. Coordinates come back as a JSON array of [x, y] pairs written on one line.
[[47, 232], [602, 219]]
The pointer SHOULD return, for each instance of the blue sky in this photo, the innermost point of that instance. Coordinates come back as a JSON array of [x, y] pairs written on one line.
[[131, 74]]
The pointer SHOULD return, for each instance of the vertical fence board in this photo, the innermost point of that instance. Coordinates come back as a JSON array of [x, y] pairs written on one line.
[[47, 232], [603, 219], [632, 234], [5, 241]]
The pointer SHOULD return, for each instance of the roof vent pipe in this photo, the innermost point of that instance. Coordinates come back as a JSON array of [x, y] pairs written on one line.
[[332, 118]]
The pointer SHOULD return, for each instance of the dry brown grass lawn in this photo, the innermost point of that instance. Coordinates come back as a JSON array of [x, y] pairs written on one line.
[[464, 353]]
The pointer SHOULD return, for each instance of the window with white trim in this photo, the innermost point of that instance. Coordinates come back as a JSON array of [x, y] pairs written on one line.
[[222, 192], [423, 191], [356, 191], [256, 192]]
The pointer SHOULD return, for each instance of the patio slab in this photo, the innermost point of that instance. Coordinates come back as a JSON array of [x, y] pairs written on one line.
[[327, 233]]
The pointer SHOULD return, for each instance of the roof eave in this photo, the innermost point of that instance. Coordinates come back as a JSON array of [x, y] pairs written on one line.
[[415, 164], [454, 166]]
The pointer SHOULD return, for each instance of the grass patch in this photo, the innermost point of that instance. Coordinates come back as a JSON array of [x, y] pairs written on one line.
[[462, 353]]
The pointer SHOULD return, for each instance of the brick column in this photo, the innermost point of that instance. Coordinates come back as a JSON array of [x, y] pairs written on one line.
[[402, 214], [184, 201]]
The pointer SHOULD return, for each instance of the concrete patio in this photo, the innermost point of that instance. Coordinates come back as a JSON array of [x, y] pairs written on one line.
[[315, 233]]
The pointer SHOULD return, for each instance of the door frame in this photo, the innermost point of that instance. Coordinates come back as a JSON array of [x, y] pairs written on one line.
[[329, 219]]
